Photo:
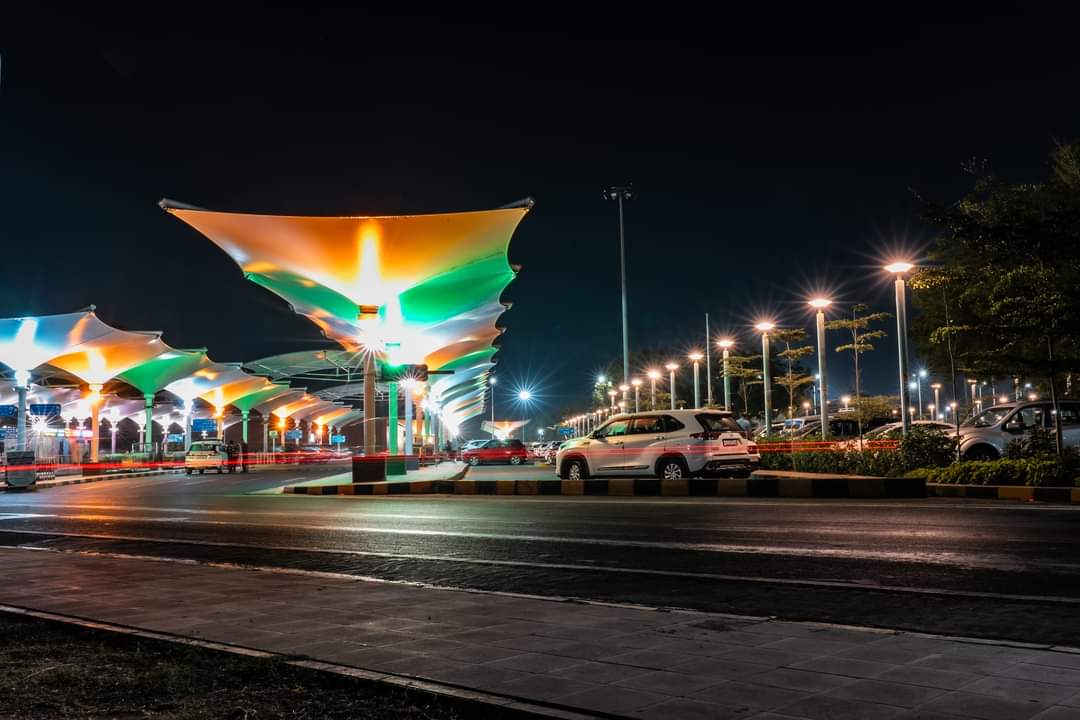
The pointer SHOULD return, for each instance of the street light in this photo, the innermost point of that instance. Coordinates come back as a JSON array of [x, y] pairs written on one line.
[[524, 396], [764, 328], [654, 375], [696, 358], [974, 384], [621, 193], [845, 399], [636, 382], [612, 394], [726, 344], [625, 390], [819, 304], [491, 381], [920, 376], [672, 367], [806, 408], [931, 407], [936, 387], [900, 269]]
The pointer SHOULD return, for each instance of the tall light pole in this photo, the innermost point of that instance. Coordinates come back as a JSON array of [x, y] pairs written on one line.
[[612, 394], [708, 362], [636, 382], [671, 368], [625, 390], [654, 375], [900, 269], [919, 377], [695, 357], [726, 345], [621, 193], [936, 387], [764, 328], [491, 381], [524, 396], [819, 304]]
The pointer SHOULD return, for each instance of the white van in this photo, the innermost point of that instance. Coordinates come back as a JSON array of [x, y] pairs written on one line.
[[206, 454]]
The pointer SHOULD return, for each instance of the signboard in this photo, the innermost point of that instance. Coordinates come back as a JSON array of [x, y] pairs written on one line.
[[566, 432], [45, 410], [9, 410], [204, 425], [174, 438], [293, 434], [9, 433], [272, 433], [337, 439]]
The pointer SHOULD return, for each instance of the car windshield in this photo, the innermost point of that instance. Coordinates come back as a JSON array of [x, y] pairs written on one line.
[[989, 417], [203, 447]]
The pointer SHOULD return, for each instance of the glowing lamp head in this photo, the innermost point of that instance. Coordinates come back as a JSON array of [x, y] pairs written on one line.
[[653, 374], [935, 386], [922, 373], [601, 379], [765, 326], [913, 385], [624, 387], [636, 382], [672, 366], [492, 380], [1003, 399], [612, 393], [820, 303], [725, 343], [695, 356], [806, 405], [900, 267], [845, 399], [22, 378], [524, 395]]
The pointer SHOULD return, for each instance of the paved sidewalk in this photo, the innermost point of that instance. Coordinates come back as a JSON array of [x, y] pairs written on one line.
[[589, 658]]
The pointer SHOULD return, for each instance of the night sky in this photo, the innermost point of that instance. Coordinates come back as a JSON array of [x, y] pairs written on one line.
[[775, 153]]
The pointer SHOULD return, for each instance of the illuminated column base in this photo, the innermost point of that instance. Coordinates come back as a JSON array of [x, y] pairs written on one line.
[[391, 424], [408, 421], [244, 425]]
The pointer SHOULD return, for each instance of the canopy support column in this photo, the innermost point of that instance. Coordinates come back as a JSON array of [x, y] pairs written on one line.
[[148, 428], [244, 425], [369, 404], [408, 421], [391, 424], [266, 432], [95, 419], [20, 421]]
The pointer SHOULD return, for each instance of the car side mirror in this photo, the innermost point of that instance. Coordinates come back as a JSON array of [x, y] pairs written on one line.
[[1014, 426]]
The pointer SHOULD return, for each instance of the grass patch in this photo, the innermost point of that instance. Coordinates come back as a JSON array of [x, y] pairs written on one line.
[[53, 670]]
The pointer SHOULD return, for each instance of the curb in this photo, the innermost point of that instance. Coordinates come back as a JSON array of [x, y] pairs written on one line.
[[453, 693], [1020, 493], [87, 479], [869, 488]]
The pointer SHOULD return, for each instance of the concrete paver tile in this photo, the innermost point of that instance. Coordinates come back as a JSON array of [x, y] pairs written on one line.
[[427, 666], [610, 699], [682, 709], [1016, 689], [749, 697], [669, 683], [657, 659], [822, 707], [944, 679], [585, 651], [848, 667], [721, 668], [886, 693], [1057, 659], [374, 658], [766, 656], [804, 680], [532, 662], [959, 663], [599, 672], [984, 707], [471, 676], [541, 687], [1058, 712], [811, 644], [1042, 673], [532, 643]]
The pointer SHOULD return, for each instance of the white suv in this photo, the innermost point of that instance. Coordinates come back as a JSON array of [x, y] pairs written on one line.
[[668, 444]]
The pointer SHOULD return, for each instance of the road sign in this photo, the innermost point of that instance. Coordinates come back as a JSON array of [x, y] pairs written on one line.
[[337, 439], [174, 438], [272, 433], [293, 434], [9, 433], [9, 410], [204, 425], [567, 432], [45, 410]]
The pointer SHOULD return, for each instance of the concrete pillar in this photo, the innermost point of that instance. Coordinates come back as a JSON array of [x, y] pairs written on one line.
[[408, 421], [244, 425], [369, 404], [391, 425], [20, 420], [148, 428], [95, 426], [266, 432]]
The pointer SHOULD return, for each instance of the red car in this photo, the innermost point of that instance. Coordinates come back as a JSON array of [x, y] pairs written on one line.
[[497, 451]]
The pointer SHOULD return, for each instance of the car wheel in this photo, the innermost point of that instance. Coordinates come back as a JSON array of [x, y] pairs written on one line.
[[515, 460], [474, 461], [672, 469], [575, 470], [741, 474], [201, 471], [981, 452], [188, 471]]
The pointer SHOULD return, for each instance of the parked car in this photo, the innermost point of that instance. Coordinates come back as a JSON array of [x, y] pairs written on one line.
[[986, 435], [668, 444], [895, 431], [207, 455], [496, 451]]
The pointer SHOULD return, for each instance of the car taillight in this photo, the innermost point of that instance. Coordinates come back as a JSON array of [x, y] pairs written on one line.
[[751, 447]]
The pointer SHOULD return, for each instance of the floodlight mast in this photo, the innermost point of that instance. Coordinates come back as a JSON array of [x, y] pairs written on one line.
[[620, 193]]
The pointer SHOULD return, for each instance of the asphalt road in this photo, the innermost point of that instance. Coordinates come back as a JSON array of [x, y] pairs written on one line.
[[957, 567]]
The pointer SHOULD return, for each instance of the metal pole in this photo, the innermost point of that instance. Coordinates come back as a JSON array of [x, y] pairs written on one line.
[[822, 381], [391, 423], [902, 342], [727, 383], [637, 398], [767, 385], [369, 404], [622, 272], [408, 421], [708, 362], [652, 395], [148, 428], [918, 380], [20, 421], [697, 386], [266, 431], [672, 389], [244, 415]]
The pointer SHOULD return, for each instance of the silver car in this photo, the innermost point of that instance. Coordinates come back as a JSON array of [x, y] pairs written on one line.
[[985, 436]]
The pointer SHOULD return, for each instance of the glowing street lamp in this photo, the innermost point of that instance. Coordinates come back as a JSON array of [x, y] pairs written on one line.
[[696, 357], [492, 381], [636, 382], [931, 407], [900, 269], [114, 418], [806, 409], [726, 344], [846, 399], [625, 390], [612, 394], [654, 375], [764, 328], [936, 387], [671, 368], [524, 396], [819, 304], [919, 377]]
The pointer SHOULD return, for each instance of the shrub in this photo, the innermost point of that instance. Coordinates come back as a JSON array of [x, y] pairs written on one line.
[[1035, 472]]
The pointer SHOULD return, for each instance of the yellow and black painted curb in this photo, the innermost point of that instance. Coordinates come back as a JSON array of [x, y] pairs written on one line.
[[830, 487], [45, 485], [1005, 492]]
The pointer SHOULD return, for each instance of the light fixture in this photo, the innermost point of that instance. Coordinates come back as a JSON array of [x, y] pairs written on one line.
[[900, 267], [820, 303], [725, 343], [653, 374], [765, 326], [672, 366]]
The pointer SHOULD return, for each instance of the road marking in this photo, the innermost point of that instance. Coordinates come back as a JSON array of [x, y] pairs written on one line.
[[22, 516], [833, 584]]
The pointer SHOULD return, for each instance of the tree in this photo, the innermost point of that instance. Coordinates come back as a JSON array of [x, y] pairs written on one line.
[[999, 290], [791, 380], [741, 368], [861, 336]]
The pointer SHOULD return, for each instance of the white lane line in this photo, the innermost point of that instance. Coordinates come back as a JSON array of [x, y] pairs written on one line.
[[983, 560], [22, 516], [1055, 599]]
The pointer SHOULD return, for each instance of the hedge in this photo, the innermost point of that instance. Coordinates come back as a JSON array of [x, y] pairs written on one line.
[[1034, 472]]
